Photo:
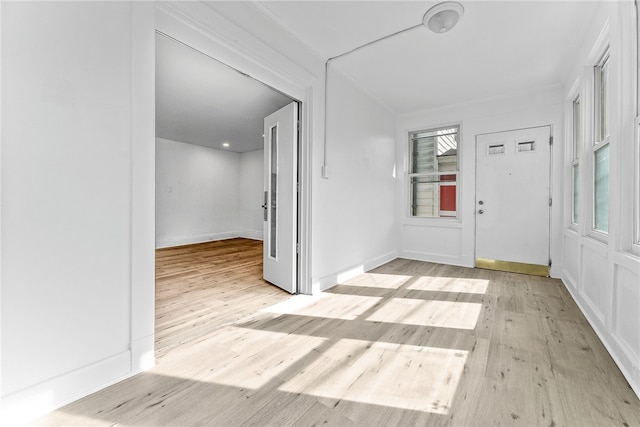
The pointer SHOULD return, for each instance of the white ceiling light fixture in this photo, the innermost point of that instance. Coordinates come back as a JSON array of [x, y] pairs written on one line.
[[442, 17]]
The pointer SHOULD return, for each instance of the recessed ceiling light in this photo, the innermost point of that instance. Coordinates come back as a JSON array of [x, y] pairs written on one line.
[[443, 17], [225, 144]]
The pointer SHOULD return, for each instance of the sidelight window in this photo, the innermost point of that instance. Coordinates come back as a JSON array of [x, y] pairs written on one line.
[[601, 146], [575, 162]]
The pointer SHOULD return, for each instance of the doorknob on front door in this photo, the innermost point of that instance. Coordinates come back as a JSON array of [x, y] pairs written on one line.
[[480, 211]]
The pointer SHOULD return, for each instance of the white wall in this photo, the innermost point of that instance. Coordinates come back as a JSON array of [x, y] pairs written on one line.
[[98, 180], [196, 193], [250, 212], [353, 210], [78, 185], [452, 241], [603, 273], [205, 194], [71, 318]]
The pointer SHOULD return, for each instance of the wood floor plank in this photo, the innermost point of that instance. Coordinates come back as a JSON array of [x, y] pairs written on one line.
[[409, 343]]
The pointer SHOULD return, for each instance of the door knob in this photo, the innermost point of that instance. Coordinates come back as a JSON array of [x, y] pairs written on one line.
[[480, 211], [481, 202]]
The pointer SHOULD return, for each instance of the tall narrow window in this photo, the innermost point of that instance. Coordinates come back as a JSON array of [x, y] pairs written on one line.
[[575, 167], [601, 146], [433, 173]]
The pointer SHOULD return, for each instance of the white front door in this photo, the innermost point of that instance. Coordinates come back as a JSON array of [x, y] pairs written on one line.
[[513, 200], [280, 197]]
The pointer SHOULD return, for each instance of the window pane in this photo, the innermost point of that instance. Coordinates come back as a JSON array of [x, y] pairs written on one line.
[[427, 148], [603, 100], [434, 196], [423, 155], [575, 206], [576, 129], [601, 190]]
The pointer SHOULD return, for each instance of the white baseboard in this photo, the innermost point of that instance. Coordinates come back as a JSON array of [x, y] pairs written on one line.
[[142, 354], [436, 258], [329, 281], [251, 234], [189, 240], [35, 401], [556, 270], [211, 237]]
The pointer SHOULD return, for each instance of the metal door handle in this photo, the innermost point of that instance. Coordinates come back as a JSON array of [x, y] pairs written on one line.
[[480, 211], [265, 212]]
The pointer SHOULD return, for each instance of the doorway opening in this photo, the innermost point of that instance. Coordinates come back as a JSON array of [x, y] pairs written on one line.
[[212, 174]]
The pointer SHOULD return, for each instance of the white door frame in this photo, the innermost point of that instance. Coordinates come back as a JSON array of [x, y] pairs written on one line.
[[523, 267], [185, 23]]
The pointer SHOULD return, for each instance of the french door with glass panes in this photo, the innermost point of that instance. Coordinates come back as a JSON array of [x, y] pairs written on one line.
[[280, 197]]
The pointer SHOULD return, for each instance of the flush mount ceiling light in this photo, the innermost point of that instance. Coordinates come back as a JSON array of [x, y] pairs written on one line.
[[443, 17]]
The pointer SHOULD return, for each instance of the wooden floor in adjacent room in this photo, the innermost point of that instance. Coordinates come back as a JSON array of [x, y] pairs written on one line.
[[202, 287], [409, 343]]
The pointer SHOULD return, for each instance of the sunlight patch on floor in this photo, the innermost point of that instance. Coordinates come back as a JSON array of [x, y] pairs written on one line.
[[375, 280], [401, 376], [450, 284], [242, 357], [327, 305], [442, 314]]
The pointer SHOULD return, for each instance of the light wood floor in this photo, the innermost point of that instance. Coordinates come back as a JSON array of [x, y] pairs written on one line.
[[409, 343], [202, 287]]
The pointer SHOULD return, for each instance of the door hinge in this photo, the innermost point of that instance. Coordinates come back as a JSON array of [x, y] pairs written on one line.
[[550, 140], [297, 248], [549, 262], [550, 201], [298, 187]]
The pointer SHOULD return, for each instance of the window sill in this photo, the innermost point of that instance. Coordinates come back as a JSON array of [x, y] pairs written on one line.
[[599, 236], [433, 222], [570, 231]]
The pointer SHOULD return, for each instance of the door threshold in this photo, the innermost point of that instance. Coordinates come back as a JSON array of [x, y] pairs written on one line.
[[513, 267]]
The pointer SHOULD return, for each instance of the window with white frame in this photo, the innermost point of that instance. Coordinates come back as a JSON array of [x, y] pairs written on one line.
[[575, 161], [433, 173], [601, 146]]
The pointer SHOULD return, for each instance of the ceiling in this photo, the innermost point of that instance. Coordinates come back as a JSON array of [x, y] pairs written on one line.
[[204, 102], [498, 48]]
